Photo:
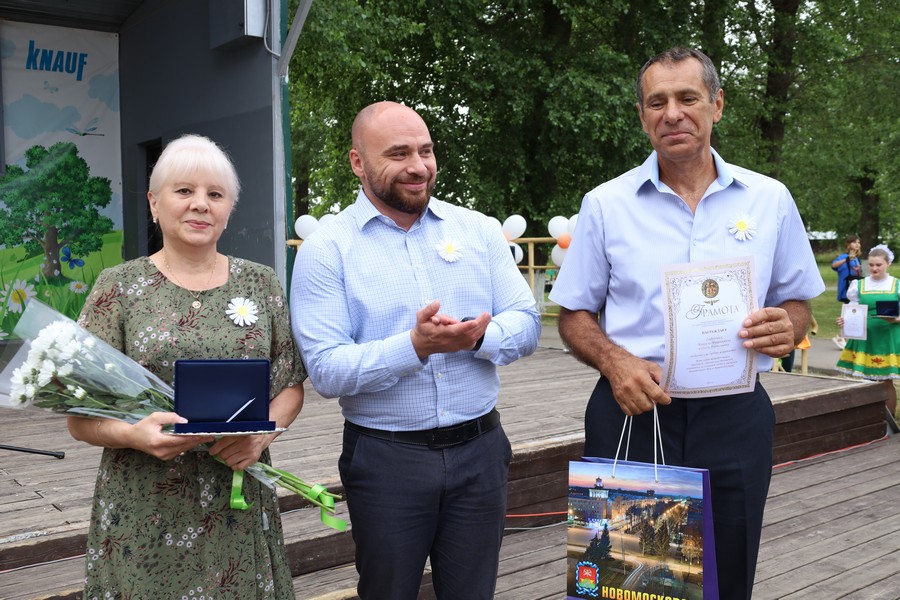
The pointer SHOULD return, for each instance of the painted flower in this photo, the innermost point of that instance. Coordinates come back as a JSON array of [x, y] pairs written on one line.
[[79, 287], [449, 250], [743, 228], [242, 311], [18, 294]]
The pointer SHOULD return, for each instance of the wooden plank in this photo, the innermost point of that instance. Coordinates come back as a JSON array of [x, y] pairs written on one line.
[[542, 402], [60, 580], [831, 529]]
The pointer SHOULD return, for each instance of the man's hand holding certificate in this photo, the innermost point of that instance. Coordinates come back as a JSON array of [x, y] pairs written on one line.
[[705, 307]]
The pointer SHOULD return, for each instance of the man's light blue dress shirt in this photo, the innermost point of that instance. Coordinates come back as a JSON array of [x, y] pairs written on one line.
[[357, 283], [633, 226]]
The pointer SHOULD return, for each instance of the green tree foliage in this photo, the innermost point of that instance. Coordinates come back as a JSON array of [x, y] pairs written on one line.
[[692, 547], [54, 203], [809, 100], [600, 547], [662, 539], [646, 536], [531, 102]]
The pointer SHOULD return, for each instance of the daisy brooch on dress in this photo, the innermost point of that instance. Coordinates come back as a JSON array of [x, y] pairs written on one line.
[[242, 311], [449, 250], [743, 228]]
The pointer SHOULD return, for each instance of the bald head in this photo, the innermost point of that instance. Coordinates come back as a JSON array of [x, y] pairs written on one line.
[[393, 156], [371, 115]]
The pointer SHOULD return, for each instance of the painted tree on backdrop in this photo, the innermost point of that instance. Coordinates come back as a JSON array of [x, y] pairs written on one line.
[[52, 204]]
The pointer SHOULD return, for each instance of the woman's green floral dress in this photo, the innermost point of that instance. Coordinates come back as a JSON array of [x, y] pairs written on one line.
[[164, 529]]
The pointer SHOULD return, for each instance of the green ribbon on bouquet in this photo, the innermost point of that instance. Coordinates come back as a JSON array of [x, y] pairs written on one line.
[[319, 495], [237, 491], [316, 494]]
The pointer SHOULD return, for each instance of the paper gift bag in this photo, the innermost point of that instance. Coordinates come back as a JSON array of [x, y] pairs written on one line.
[[639, 531]]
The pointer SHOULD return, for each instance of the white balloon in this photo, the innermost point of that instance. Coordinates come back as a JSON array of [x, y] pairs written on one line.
[[305, 225], [517, 252], [514, 226], [325, 218], [557, 255], [571, 227], [557, 226]]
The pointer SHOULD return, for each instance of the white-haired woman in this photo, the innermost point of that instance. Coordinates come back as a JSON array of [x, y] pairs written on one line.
[[161, 525], [877, 356]]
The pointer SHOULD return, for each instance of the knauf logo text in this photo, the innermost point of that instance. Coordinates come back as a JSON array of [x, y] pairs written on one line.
[[58, 61]]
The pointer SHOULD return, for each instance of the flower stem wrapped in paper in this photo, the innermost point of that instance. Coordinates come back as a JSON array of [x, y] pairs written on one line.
[[52, 363]]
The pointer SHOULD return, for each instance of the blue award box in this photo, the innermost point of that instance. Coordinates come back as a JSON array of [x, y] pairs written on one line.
[[222, 396], [887, 308]]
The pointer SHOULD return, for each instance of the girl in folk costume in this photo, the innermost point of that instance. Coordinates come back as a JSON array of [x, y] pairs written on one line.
[[878, 356]]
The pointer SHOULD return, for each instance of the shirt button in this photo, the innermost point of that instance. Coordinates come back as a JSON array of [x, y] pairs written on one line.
[[440, 375]]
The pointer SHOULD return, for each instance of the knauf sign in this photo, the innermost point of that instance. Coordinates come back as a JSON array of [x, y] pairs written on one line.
[[59, 61]]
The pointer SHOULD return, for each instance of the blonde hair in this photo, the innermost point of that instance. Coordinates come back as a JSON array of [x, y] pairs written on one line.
[[191, 154]]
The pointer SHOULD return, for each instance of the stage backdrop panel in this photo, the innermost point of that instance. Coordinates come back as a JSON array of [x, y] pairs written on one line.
[[61, 193]]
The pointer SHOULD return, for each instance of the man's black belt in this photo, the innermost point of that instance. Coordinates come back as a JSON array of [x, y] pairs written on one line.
[[442, 437]]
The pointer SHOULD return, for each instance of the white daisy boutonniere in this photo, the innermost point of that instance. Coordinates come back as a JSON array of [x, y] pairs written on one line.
[[743, 228], [449, 250], [242, 311]]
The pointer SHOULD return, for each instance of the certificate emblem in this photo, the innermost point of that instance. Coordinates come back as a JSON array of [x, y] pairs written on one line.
[[710, 288]]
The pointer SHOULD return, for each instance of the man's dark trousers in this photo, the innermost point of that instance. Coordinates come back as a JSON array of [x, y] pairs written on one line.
[[408, 502]]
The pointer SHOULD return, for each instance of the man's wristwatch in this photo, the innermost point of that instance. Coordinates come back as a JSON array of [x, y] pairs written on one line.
[[480, 341]]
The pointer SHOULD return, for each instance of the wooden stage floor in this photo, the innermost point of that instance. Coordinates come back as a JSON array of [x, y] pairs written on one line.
[[829, 515]]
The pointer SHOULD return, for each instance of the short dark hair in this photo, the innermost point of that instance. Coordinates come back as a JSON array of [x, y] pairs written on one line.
[[676, 55]]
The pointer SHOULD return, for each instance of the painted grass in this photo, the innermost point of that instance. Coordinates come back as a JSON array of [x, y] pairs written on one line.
[[19, 271]]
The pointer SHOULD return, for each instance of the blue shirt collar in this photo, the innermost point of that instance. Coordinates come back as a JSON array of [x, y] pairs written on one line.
[[726, 174], [364, 211]]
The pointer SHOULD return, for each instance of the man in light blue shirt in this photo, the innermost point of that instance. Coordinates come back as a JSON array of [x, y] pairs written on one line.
[[403, 307], [686, 204]]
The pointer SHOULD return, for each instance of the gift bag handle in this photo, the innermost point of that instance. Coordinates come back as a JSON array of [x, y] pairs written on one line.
[[657, 443]]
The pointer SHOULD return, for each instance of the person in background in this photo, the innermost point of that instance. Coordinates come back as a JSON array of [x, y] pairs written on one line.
[[161, 525], [877, 356], [416, 303], [686, 204], [848, 269]]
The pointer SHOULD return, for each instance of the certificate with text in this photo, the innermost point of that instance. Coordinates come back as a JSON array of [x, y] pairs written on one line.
[[855, 317], [705, 305]]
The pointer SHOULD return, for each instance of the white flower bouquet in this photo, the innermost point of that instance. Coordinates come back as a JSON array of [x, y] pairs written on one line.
[[51, 363]]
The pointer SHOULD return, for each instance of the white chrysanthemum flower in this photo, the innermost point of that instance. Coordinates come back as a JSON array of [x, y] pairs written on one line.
[[743, 228], [48, 369], [34, 361], [80, 393], [79, 287], [109, 367], [17, 295], [449, 250], [17, 386], [242, 311], [69, 350], [65, 370], [90, 342]]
